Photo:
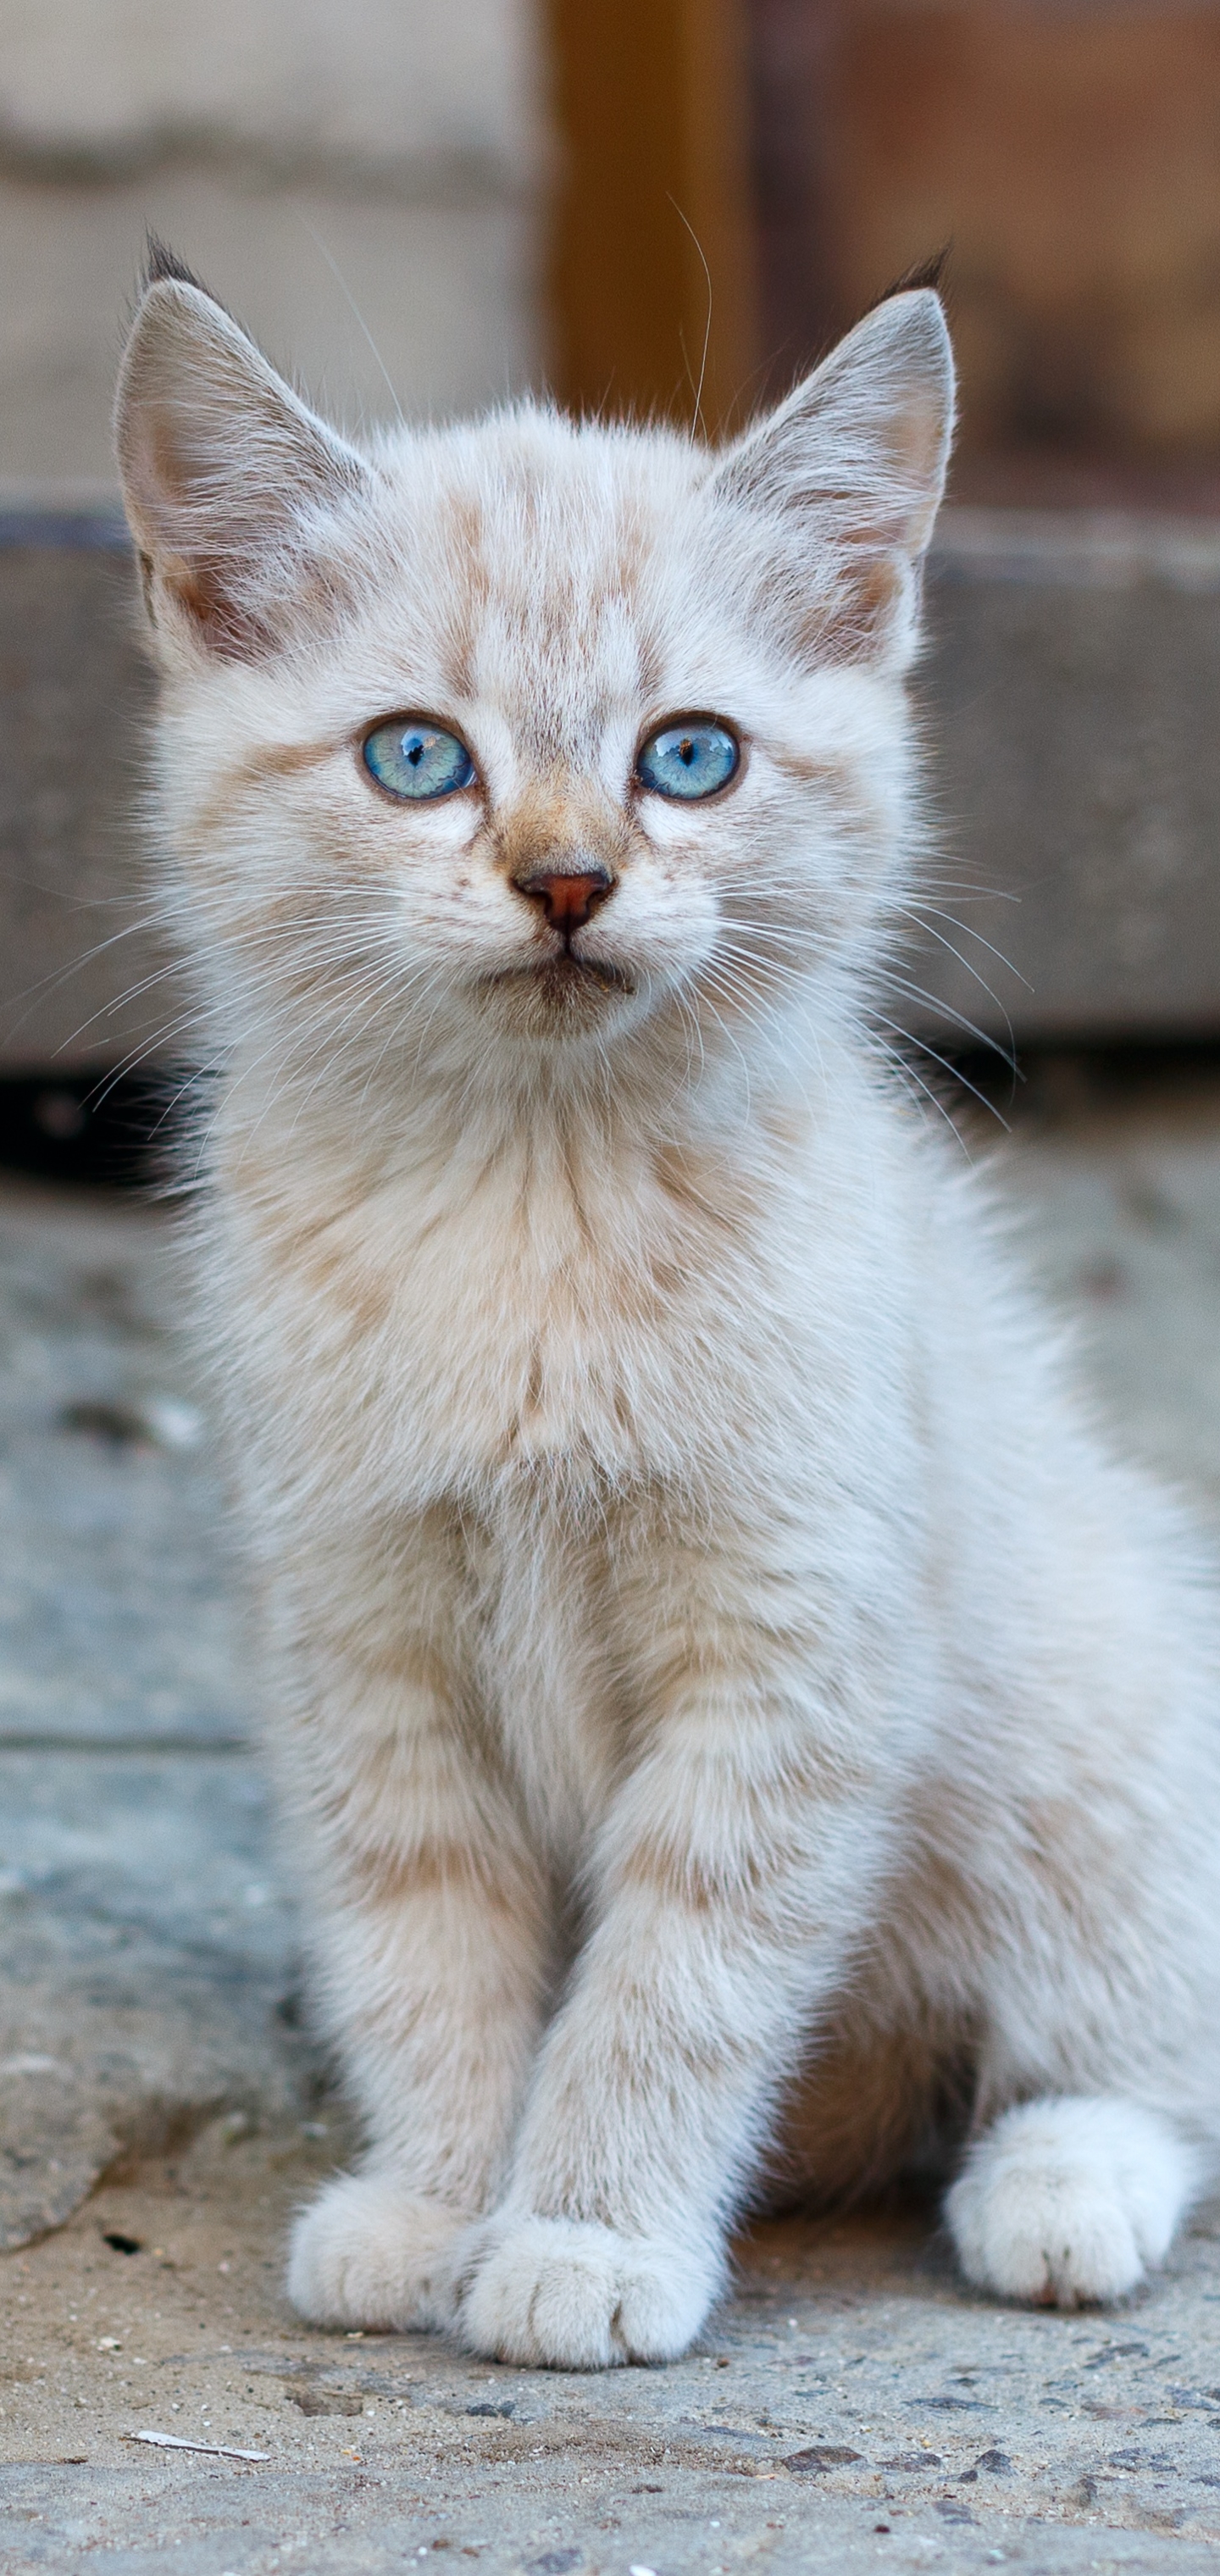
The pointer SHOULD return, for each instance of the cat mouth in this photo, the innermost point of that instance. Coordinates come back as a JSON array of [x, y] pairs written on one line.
[[562, 978]]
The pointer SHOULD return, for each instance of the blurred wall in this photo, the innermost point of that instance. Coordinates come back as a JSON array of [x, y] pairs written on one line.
[[1068, 151], [273, 143]]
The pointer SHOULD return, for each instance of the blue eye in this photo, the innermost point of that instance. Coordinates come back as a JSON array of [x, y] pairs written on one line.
[[414, 759], [689, 759]]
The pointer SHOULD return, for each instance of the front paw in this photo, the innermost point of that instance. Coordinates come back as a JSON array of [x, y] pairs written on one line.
[[568, 2295], [1067, 2201], [368, 2252]]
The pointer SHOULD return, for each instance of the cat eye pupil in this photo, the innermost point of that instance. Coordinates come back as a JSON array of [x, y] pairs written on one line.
[[690, 760], [417, 761]]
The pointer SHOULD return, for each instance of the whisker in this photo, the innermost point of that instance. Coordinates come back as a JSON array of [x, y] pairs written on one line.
[[47, 984], [918, 993], [908, 1076], [918, 913], [346, 292], [948, 1066]]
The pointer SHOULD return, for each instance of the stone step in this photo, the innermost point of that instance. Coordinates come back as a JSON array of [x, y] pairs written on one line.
[[75, 697], [1071, 685]]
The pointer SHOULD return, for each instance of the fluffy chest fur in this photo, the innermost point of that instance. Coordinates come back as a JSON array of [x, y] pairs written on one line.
[[609, 1376], [542, 1304]]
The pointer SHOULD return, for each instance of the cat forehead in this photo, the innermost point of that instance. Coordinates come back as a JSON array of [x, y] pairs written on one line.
[[531, 542], [531, 487]]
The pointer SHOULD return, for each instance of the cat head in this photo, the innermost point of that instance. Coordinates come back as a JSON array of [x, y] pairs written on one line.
[[529, 742]]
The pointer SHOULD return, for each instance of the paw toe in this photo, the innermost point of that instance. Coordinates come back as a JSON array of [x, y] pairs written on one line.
[[576, 2296], [1057, 2241]]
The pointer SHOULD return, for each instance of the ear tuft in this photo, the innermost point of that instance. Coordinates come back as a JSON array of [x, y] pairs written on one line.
[[228, 478], [847, 477], [929, 272], [161, 262]]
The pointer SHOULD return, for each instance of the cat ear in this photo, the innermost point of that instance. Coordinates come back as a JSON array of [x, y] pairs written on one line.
[[849, 472], [226, 474]]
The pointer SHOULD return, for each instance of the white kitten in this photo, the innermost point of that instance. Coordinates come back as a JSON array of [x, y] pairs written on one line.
[[738, 1722]]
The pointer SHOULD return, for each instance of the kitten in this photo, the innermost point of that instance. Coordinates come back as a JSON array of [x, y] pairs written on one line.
[[743, 1733]]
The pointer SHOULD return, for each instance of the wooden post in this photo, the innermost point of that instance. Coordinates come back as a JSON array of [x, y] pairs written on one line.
[[651, 104]]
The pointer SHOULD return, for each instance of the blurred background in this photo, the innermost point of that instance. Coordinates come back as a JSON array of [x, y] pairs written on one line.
[[635, 202]]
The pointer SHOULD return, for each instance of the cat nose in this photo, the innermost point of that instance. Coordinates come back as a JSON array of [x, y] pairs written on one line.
[[567, 897]]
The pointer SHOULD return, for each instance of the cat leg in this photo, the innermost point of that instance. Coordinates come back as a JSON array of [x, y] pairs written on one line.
[[435, 1957], [1070, 2199], [431, 1951], [732, 1875]]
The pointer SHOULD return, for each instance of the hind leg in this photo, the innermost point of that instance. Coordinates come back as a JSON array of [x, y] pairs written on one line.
[[1071, 2199]]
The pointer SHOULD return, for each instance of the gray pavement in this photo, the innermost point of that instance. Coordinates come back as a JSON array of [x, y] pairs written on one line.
[[145, 1949], [851, 2406], [162, 2112]]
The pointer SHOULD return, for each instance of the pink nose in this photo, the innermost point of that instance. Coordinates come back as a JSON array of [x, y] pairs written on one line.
[[566, 900]]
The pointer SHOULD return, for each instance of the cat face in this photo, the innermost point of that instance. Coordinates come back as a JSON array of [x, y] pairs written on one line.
[[518, 741]]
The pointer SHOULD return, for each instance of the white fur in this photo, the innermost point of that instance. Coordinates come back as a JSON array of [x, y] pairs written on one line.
[[738, 1724], [579, 2297], [1067, 2201], [371, 2253]]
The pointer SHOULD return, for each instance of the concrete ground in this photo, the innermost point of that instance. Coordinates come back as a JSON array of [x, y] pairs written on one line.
[[852, 2405]]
